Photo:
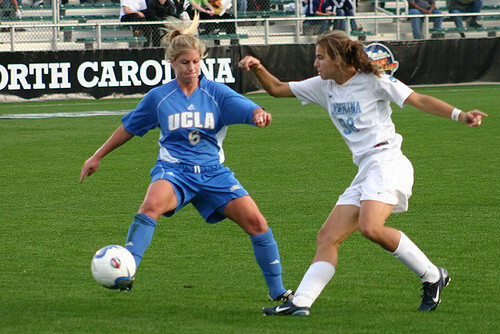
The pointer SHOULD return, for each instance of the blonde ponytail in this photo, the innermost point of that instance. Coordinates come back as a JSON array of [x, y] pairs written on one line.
[[181, 39]]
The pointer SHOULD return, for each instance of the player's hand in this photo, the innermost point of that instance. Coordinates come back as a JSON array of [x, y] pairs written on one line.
[[89, 167], [261, 118], [472, 118], [248, 62]]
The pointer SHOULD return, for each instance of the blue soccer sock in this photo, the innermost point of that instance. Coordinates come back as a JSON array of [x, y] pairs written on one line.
[[140, 235], [267, 255]]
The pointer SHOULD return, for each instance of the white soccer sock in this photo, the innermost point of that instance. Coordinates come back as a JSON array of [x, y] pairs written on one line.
[[412, 257], [314, 281]]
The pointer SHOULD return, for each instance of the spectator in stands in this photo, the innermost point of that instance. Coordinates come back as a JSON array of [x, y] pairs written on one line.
[[346, 8], [324, 8], [418, 7], [7, 12], [214, 9], [221, 10], [206, 11], [46, 2], [136, 11], [242, 5], [261, 5], [133, 10], [465, 6], [173, 8], [203, 7], [161, 10]]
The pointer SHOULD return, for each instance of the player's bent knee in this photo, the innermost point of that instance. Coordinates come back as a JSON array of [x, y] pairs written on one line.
[[152, 210], [256, 229], [327, 239], [255, 225], [370, 232]]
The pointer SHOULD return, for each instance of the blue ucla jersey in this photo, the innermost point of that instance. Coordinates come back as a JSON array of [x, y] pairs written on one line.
[[192, 128]]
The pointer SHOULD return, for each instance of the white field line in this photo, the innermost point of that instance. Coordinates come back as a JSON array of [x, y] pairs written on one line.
[[65, 114]]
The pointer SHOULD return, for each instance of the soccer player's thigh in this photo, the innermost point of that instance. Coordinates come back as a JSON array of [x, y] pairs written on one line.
[[160, 198], [340, 224]]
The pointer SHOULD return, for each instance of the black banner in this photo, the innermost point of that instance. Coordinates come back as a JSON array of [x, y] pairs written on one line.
[[100, 73], [286, 62], [419, 62], [447, 61]]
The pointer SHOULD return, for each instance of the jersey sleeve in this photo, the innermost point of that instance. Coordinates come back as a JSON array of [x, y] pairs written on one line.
[[391, 89], [311, 90], [234, 107], [143, 118]]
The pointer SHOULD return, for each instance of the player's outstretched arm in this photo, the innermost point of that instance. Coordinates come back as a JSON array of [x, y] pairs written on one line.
[[437, 107], [261, 118], [118, 138], [269, 82]]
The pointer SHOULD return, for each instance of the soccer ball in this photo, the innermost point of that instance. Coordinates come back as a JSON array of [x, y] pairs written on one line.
[[113, 267]]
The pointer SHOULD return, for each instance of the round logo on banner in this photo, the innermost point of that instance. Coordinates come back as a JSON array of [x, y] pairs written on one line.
[[382, 57]]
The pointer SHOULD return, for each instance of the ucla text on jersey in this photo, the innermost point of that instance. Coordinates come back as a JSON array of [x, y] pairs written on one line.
[[191, 119]]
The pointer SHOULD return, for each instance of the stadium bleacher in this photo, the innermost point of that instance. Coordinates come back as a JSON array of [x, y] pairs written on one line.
[[86, 25], [234, 39]]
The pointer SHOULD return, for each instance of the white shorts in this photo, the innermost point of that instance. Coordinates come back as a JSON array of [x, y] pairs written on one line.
[[385, 176]]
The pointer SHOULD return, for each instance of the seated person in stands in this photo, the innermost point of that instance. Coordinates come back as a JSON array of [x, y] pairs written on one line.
[[133, 10], [259, 5], [136, 11], [465, 6], [206, 11], [213, 9], [346, 8], [7, 12], [161, 10], [201, 6], [221, 10], [242, 5], [323, 8], [418, 7]]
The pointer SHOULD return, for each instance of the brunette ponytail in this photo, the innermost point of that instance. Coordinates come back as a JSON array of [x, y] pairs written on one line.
[[339, 46]]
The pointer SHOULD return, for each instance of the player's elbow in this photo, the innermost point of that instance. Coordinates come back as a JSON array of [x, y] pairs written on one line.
[[416, 100], [274, 93], [281, 90]]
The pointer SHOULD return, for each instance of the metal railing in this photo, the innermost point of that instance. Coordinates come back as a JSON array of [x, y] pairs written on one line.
[[49, 36]]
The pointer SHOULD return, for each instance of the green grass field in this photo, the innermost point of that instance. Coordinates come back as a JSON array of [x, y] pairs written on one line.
[[200, 278]]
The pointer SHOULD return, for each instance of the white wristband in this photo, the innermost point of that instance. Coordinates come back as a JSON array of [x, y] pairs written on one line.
[[455, 113]]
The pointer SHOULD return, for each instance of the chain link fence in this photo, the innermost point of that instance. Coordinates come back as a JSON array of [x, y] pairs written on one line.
[[52, 25]]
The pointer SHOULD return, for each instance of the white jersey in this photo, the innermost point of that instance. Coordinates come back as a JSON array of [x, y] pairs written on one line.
[[135, 5], [359, 108]]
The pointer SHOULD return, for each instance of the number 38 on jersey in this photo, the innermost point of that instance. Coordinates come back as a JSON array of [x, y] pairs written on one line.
[[348, 125]]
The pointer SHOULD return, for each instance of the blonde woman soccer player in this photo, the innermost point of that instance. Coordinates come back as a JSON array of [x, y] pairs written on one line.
[[192, 114], [357, 99]]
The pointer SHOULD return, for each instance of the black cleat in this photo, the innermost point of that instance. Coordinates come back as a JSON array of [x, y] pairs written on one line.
[[287, 308], [128, 286], [287, 295], [431, 296]]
